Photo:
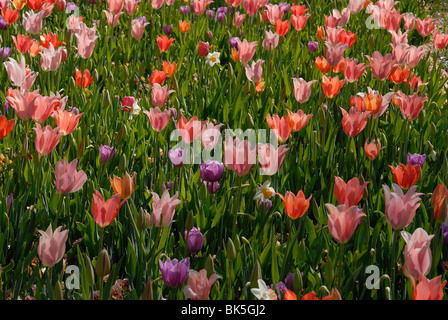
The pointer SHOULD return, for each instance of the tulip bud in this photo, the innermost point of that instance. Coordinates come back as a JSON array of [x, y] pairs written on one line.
[[106, 98], [255, 275], [90, 276], [102, 266], [433, 155], [95, 75], [125, 132], [147, 293], [142, 219], [57, 291], [189, 222], [298, 284], [123, 163], [231, 252], [320, 34], [209, 34], [72, 83], [25, 146], [203, 49], [111, 77], [209, 266], [236, 243], [251, 121], [322, 118]]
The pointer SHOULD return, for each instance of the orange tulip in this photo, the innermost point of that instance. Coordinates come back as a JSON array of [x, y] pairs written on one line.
[[373, 101], [157, 77], [46, 39], [289, 295], [235, 55], [104, 212], [438, 202], [164, 43], [67, 121], [349, 193], [169, 68], [406, 175], [340, 66], [348, 38], [372, 149], [295, 205], [310, 296], [10, 16], [23, 43], [320, 34], [332, 86], [280, 127], [184, 26], [259, 86], [35, 48], [124, 186], [18, 4], [5, 126], [281, 27], [297, 121], [86, 78], [399, 75], [323, 65]]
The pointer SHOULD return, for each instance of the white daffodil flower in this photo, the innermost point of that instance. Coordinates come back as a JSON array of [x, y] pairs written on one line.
[[212, 58], [265, 192]]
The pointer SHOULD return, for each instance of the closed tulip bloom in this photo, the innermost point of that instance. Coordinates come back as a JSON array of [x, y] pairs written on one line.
[[254, 72], [19, 74], [157, 77], [250, 6], [354, 121], [174, 273], [68, 179], [158, 119], [23, 103], [302, 89], [270, 158], [280, 126], [400, 209], [320, 33], [199, 6], [47, 139], [270, 41], [295, 205], [104, 212], [312, 46], [115, 6], [124, 186], [334, 35], [130, 6], [372, 149], [199, 286], [410, 106], [50, 58], [32, 22], [5, 126], [335, 53], [23, 43], [246, 50], [163, 209], [5, 52], [273, 13], [331, 22], [409, 21], [439, 203], [440, 40], [106, 153], [381, 66], [343, 221], [428, 289], [66, 121], [332, 86], [44, 107], [203, 49], [426, 26], [297, 121], [406, 175], [355, 6], [211, 170], [239, 156], [159, 95], [138, 28], [299, 22], [157, 4], [350, 193], [414, 55], [417, 253], [86, 40], [323, 65], [51, 248], [393, 20], [353, 71], [195, 240], [238, 19]]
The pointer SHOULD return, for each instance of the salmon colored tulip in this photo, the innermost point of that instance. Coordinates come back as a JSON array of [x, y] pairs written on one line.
[[297, 121], [323, 65], [340, 66], [320, 34], [189, 130], [157, 77], [112, 19], [86, 78], [399, 75], [352, 70], [335, 53], [372, 149], [68, 180], [297, 10], [86, 39], [426, 26], [295, 205], [414, 55], [246, 50], [302, 89], [410, 106], [164, 43], [440, 40], [66, 121], [348, 38], [47, 139], [23, 43], [354, 121], [138, 28], [299, 22], [332, 86], [334, 295], [184, 26], [104, 212], [428, 289], [270, 158], [439, 202], [51, 248], [343, 221], [5, 126], [159, 94], [124, 186], [19, 74], [43, 107], [381, 66], [37, 49], [280, 127], [163, 209], [23, 103], [199, 285], [350, 193], [239, 155], [417, 253], [115, 6], [250, 6], [10, 16], [169, 68], [130, 6], [310, 296], [375, 102], [406, 175], [46, 39], [238, 19], [199, 6], [273, 13], [158, 119], [399, 37]]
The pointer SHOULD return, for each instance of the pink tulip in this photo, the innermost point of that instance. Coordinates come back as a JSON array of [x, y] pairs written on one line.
[[343, 221], [331, 21], [410, 106], [50, 58], [112, 19], [355, 6], [157, 118], [23, 103], [414, 55], [400, 208], [379, 15], [198, 287], [400, 52], [426, 26], [251, 7], [393, 20], [68, 180], [210, 135], [246, 50], [428, 289], [43, 107], [270, 41], [19, 74], [417, 253], [170, 2], [299, 22], [399, 37], [334, 35], [353, 71], [388, 5], [51, 248], [199, 6], [270, 158], [274, 13], [189, 130], [381, 66], [32, 22], [440, 40], [255, 72], [130, 6], [157, 4], [335, 53], [239, 155], [160, 94], [343, 16], [238, 19], [297, 121], [138, 28], [409, 21], [350, 193], [46, 139], [75, 22], [86, 40], [302, 89], [163, 209], [354, 121], [115, 6]]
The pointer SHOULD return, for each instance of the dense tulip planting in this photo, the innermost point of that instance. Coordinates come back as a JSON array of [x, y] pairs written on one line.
[[216, 150]]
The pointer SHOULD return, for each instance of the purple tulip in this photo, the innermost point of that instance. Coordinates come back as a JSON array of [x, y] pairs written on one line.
[[417, 159], [210, 14], [6, 106], [173, 112], [168, 29], [281, 287], [184, 10], [92, 1], [141, 19], [74, 110], [3, 24], [285, 7], [312, 46], [289, 281], [5, 52], [445, 234], [211, 170], [107, 153], [176, 156], [268, 205], [222, 10], [167, 186], [212, 187], [220, 16], [195, 240], [174, 273], [234, 42]]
